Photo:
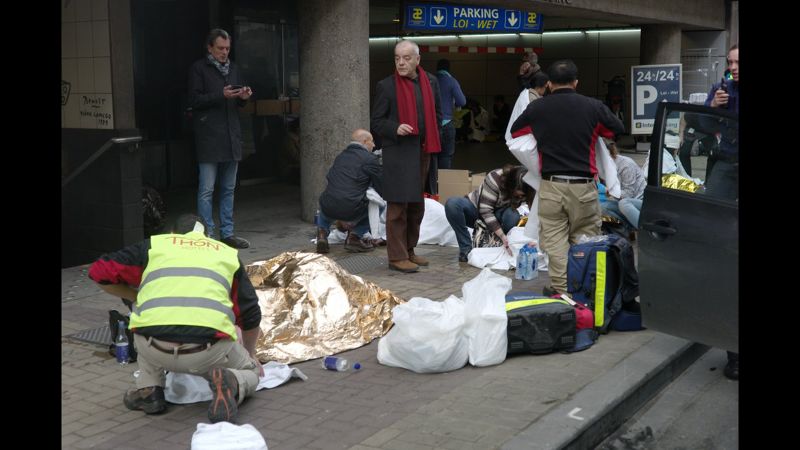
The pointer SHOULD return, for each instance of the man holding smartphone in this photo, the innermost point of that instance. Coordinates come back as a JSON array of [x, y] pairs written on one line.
[[216, 92]]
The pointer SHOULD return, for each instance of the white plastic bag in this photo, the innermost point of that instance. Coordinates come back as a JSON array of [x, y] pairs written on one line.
[[427, 336], [486, 319], [227, 436]]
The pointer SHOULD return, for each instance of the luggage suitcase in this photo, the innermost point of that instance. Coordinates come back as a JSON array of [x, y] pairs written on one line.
[[539, 324]]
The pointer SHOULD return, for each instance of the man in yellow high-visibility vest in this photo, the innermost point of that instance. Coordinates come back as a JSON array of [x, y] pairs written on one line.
[[189, 293]]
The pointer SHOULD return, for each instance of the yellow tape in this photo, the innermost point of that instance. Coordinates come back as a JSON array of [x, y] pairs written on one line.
[[533, 301], [600, 290]]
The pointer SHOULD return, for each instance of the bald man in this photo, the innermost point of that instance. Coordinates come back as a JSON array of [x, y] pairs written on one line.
[[406, 115], [345, 198]]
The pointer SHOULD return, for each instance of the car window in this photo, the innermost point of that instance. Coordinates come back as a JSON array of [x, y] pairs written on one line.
[[692, 144]]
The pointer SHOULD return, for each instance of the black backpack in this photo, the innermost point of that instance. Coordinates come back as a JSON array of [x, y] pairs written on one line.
[[621, 280]]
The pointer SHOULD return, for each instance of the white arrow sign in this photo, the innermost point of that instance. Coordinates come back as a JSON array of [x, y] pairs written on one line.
[[438, 17], [513, 20]]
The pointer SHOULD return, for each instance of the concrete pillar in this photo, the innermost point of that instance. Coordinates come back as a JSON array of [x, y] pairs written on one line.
[[661, 44], [334, 86], [734, 25]]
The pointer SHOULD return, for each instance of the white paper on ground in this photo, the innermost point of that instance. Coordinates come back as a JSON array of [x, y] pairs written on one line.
[[183, 388], [227, 436]]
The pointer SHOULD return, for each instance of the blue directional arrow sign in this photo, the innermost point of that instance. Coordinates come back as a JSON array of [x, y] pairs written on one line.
[[425, 16]]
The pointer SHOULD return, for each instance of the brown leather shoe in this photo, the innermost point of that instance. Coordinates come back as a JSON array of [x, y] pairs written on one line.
[[322, 241], [418, 260], [403, 266], [355, 244]]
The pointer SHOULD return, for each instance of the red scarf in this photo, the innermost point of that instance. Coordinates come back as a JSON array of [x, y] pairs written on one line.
[[407, 108]]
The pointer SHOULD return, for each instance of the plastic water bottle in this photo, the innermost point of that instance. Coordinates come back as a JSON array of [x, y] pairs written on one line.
[[121, 343], [533, 255], [338, 364], [523, 264]]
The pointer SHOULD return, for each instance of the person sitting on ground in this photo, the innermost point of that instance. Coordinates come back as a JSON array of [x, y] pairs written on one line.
[[345, 198], [495, 202], [632, 183], [190, 294], [479, 125]]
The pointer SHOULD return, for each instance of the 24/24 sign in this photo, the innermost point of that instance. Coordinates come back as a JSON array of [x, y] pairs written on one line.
[[650, 85]]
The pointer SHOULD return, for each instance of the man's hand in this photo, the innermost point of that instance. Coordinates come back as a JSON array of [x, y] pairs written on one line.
[[720, 99], [245, 93], [229, 92], [404, 129]]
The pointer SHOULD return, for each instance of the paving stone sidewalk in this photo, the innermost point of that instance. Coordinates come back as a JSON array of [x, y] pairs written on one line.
[[377, 407]]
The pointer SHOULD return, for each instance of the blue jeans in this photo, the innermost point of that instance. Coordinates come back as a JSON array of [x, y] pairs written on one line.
[[630, 208], [448, 140], [461, 213], [625, 210], [205, 194], [360, 229]]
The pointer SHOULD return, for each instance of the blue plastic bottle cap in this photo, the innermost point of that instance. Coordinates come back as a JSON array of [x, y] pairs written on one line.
[[357, 366]]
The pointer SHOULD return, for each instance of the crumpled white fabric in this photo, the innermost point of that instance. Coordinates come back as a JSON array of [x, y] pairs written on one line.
[[497, 257], [227, 436], [377, 220], [435, 229], [183, 388]]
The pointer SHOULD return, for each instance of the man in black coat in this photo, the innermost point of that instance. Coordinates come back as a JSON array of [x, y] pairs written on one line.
[[345, 197], [215, 93], [406, 115]]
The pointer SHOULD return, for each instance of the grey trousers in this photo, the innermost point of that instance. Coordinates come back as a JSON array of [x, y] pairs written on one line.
[[225, 353]]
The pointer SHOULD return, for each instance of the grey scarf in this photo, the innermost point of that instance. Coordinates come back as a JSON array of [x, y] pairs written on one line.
[[223, 68]]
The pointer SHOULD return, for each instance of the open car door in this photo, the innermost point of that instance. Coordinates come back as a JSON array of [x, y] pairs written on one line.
[[689, 226]]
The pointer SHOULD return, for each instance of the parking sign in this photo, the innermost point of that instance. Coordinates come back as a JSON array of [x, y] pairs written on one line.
[[649, 86]]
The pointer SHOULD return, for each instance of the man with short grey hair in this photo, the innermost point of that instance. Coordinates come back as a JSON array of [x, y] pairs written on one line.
[[406, 115]]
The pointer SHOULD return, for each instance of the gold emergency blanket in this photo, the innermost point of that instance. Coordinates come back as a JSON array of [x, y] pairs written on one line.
[[311, 307], [675, 181]]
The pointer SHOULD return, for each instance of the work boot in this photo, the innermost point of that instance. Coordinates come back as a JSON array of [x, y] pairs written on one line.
[[224, 393], [150, 400], [322, 241], [235, 242], [549, 291], [418, 260], [355, 244], [403, 266]]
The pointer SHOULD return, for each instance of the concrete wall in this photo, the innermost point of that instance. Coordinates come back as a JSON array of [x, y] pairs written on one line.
[[334, 80], [101, 208]]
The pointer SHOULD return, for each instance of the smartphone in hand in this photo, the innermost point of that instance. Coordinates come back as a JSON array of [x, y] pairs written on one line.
[[237, 86]]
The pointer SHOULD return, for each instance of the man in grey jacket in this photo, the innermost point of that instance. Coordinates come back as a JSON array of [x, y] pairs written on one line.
[[345, 198], [215, 92]]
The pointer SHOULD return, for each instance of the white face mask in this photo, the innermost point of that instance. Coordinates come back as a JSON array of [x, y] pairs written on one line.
[[199, 227]]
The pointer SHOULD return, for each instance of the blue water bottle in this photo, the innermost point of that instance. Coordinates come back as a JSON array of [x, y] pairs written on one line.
[[121, 344], [534, 259], [522, 263]]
